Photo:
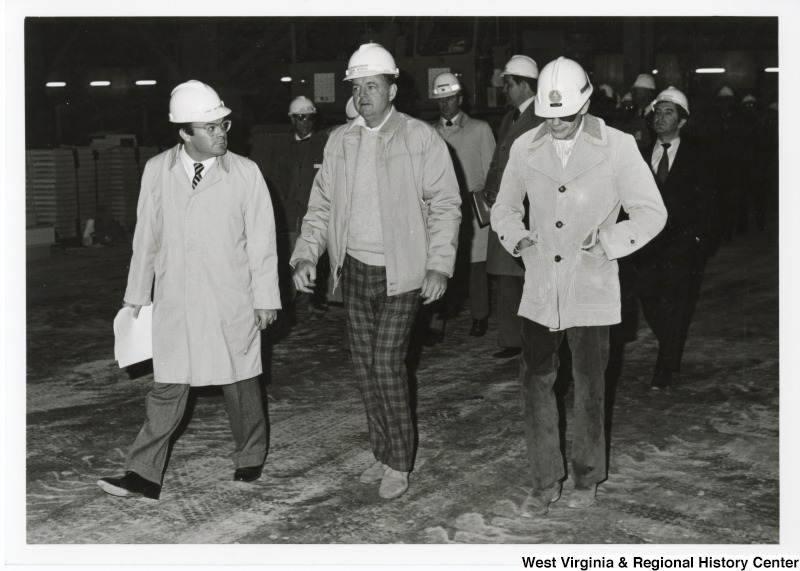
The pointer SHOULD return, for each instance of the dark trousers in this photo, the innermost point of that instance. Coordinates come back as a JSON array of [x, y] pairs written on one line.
[[379, 327], [164, 408], [509, 296], [538, 370], [668, 294], [478, 290]]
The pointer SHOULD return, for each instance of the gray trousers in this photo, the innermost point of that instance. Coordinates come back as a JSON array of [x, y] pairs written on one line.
[[164, 408]]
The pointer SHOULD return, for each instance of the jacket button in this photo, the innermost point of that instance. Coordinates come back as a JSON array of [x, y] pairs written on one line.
[[558, 258], [633, 241], [562, 188], [559, 224], [502, 237]]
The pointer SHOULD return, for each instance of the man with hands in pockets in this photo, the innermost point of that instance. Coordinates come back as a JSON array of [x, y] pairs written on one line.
[[576, 173]]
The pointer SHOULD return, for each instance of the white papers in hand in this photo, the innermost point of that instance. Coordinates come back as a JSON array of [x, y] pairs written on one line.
[[133, 338]]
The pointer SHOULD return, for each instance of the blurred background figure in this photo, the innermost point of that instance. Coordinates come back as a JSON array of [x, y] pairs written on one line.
[[643, 91]]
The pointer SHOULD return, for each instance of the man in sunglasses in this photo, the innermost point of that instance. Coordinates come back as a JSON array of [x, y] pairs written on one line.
[[206, 233], [577, 173]]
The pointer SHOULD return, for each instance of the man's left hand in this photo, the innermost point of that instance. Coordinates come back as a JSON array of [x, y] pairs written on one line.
[[265, 316], [433, 286]]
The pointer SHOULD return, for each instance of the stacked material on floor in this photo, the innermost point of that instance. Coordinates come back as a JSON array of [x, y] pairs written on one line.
[[51, 187]]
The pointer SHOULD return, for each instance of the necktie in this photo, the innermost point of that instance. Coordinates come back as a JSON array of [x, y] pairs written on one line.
[[515, 116], [448, 123], [663, 164], [198, 174]]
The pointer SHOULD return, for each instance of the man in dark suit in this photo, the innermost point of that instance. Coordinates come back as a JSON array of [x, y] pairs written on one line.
[[671, 267], [520, 78]]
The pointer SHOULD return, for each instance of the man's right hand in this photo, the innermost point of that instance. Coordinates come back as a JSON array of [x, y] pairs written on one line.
[[305, 273], [136, 308]]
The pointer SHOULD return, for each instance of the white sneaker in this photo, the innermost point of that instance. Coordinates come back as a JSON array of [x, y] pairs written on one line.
[[394, 484], [374, 473]]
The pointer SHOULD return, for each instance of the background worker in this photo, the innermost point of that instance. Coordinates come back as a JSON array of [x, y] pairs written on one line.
[[519, 85], [472, 145]]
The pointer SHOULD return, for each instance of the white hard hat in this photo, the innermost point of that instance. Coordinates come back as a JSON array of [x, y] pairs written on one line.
[[444, 85], [350, 110], [749, 99], [607, 90], [673, 95], [195, 101], [370, 59], [563, 89], [301, 105], [645, 81], [725, 92], [522, 66]]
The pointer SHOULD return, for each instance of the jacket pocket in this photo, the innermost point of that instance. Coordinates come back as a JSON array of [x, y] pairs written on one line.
[[595, 281]]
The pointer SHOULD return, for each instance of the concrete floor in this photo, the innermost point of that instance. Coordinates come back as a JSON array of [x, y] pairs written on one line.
[[697, 464]]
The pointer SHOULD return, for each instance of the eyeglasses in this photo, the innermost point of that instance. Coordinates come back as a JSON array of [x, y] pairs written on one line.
[[214, 128], [302, 117]]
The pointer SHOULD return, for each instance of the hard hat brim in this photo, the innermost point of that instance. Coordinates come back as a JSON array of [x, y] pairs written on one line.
[[217, 113]]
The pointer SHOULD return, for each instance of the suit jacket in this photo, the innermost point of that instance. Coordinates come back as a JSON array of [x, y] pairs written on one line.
[[498, 261], [690, 233]]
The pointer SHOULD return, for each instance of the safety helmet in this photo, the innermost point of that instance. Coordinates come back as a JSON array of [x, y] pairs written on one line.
[[673, 95], [563, 89], [645, 81], [195, 101], [445, 85], [749, 99], [725, 92], [301, 105], [350, 110], [522, 66], [370, 59], [607, 90]]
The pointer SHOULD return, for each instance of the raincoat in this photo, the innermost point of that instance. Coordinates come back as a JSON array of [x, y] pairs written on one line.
[[212, 252]]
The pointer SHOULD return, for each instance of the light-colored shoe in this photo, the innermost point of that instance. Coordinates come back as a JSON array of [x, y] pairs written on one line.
[[394, 484], [581, 498], [374, 473], [538, 501]]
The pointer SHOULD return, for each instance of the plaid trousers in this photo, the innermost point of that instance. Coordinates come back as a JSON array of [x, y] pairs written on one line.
[[380, 328]]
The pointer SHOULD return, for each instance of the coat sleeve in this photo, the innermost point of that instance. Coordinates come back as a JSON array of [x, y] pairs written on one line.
[[262, 255], [640, 198], [441, 195], [487, 147], [145, 242], [508, 211], [313, 237]]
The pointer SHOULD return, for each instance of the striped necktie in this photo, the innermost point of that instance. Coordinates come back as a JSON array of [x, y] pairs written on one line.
[[198, 174]]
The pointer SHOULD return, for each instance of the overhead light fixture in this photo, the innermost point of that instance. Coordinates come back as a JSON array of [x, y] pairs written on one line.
[[771, 69], [286, 79], [100, 83], [146, 82], [655, 72], [56, 84], [710, 70]]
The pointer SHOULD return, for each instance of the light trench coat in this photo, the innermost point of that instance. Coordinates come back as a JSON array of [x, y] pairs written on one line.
[[420, 206], [212, 252], [571, 209], [473, 143]]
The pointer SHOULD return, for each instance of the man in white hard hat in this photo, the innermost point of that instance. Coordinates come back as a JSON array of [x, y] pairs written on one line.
[[670, 268], [290, 162], [472, 146], [640, 124], [577, 173], [386, 207], [519, 84], [205, 231]]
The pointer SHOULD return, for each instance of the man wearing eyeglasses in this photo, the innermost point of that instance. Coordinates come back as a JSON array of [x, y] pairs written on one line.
[[206, 233], [577, 173]]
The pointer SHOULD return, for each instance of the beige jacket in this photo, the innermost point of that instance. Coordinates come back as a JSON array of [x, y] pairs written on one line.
[[571, 209], [418, 195], [212, 252]]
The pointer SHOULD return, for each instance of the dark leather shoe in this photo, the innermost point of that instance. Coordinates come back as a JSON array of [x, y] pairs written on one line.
[[130, 485], [507, 353], [479, 327], [248, 474]]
